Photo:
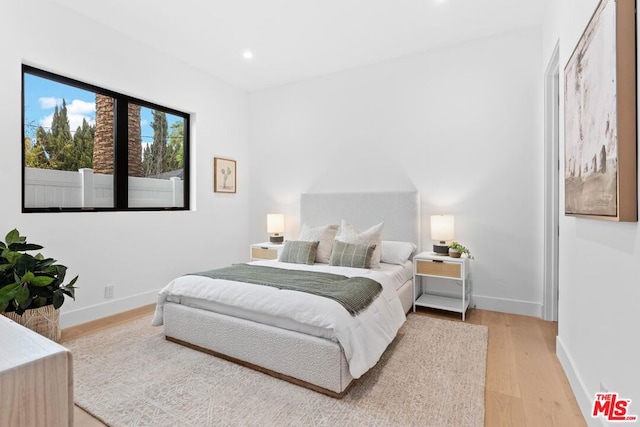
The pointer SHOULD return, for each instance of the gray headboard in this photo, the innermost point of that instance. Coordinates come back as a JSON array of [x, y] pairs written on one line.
[[400, 212]]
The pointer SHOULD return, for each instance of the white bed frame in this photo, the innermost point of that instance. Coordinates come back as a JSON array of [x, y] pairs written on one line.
[[309, 361]]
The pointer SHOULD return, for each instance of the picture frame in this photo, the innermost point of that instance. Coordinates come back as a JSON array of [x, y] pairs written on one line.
[[224, 175], [600, 167]]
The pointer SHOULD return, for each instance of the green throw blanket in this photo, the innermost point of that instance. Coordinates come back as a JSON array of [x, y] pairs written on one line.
[[354, 293]]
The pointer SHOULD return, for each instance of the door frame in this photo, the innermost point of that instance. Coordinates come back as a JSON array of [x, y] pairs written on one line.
[[551, 185]]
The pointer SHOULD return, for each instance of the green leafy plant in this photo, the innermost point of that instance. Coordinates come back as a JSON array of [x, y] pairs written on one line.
[[460, 248], [30, 281]]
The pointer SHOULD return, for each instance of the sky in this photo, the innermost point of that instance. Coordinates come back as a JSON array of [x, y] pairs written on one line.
[[42, 95]]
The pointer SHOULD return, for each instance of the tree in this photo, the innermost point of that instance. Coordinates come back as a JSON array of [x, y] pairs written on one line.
[[103, 161], [83, 146], [57, 149], [148, 160], [34, 156], [103, 142], [60, 123], [174, 158], [58, 143], [134, 146], [159, 126], [153, 162]]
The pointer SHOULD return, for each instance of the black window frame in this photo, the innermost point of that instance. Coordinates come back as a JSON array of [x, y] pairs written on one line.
[[121, 146]]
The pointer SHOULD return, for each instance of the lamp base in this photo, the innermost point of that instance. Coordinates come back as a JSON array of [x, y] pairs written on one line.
[[276, 239], [441, 249]]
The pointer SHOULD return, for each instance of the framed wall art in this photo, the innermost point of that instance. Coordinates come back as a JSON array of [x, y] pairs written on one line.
[[224, 175], [600, 169]]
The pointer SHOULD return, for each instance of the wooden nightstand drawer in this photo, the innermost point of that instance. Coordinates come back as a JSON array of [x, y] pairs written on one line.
[[264, 253], [444, 269]]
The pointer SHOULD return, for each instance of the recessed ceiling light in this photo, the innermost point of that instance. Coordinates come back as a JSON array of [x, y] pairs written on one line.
[[248, 55]]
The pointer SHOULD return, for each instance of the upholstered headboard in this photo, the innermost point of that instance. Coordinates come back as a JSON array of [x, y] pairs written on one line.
[[400, 212]]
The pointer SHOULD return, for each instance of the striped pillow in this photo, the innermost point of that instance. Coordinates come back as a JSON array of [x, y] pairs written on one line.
[[372, 236], [298, 252], [351, 254]]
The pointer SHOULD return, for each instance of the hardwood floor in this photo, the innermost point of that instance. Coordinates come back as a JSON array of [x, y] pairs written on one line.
[[525, 384]]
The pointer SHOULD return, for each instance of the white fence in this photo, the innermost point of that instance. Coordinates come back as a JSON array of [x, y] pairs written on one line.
[[45, 188]]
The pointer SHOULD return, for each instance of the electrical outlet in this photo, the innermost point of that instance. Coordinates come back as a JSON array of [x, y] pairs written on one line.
[[108, 291]]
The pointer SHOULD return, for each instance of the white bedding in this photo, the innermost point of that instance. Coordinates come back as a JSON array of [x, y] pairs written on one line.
[[363, 338]]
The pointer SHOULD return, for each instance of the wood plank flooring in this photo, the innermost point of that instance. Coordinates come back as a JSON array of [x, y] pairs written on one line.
[[525, 384]]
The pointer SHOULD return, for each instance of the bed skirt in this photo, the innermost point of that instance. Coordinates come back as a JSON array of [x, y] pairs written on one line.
[[312, 362]]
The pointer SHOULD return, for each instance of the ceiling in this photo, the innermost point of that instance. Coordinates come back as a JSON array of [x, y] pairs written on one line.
[[292, 40]]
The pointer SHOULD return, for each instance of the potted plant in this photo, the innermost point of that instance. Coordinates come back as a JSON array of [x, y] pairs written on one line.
[[456, 250], [32, 287]]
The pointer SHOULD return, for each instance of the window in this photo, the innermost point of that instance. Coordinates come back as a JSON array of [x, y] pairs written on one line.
[[90, 149]]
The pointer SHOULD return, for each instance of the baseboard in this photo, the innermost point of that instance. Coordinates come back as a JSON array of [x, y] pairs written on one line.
[[503, 305], [584, 398], [98, 311]]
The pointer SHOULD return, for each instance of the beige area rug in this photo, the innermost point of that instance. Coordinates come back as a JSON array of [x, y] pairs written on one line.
[[433, 374]]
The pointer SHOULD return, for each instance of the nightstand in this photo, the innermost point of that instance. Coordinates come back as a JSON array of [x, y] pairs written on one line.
[[428, 264], [265, 250]]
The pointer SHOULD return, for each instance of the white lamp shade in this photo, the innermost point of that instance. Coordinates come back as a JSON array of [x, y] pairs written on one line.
[[442, 227], [275, 223]]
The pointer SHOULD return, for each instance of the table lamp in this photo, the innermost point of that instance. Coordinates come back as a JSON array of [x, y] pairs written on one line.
[[275, 227], [441, 230]]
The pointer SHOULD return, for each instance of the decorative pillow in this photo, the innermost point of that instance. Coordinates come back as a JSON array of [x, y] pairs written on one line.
[[371, 236], [351, 254], [396, 252], [298, 252], [325, 235]]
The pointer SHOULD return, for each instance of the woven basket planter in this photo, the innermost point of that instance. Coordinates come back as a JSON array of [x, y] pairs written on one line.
[[43, 320]]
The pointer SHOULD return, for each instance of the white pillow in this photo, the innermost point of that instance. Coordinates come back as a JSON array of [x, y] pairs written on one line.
[[373, 235], [396, 252], [323, 234]]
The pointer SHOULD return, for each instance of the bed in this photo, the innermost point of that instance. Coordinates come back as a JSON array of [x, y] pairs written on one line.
[[321, 356]]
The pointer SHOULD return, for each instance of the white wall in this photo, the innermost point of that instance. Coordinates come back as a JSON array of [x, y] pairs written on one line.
[[462, 125], [599, 271], [137, 252]]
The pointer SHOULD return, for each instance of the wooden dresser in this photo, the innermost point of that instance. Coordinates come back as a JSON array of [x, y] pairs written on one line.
[[36, 379]]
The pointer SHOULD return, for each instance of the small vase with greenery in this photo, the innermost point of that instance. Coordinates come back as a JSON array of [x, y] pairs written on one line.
[[30, 281], [456, 250]]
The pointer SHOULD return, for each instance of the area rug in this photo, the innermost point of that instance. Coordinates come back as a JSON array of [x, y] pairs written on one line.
[[433, 374]]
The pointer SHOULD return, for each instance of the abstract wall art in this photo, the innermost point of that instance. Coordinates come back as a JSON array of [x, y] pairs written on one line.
[[600, 167]]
